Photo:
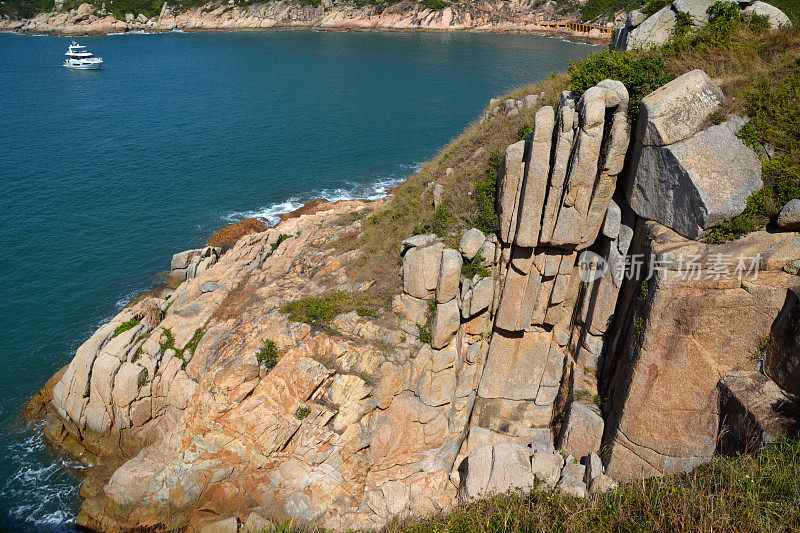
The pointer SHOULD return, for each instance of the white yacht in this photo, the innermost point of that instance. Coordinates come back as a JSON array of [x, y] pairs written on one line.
[[80, 58]]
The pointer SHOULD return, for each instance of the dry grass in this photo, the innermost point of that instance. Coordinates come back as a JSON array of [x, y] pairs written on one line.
[[150, 313], [237, 300], [412, 205], [747, 56], [744, 493]]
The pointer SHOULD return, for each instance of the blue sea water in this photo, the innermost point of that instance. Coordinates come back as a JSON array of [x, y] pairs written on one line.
[[104, 175]]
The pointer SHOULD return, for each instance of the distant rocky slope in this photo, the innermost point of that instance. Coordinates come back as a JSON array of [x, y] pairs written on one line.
[[640, 30], [594, 337], [492, 16]]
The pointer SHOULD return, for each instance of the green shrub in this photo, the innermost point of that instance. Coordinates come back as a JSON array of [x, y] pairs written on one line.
[[125, 326], [651, 7], [723, 13], [366, 312], [424, 332], [280, 240], [773, 105], [485, 193], [593, 9], [717, 117], [683, 24], [435, 5], [267, 355], [24, 8], [472, 267], [441, 223], [302, 412], [320, 310], [642, 73]]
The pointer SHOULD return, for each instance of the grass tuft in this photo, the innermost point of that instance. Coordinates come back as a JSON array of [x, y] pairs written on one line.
[[302, 412], [319, 311], [125, 326]]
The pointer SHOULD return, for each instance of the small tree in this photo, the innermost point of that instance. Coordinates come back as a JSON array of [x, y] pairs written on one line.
[[267, 355]]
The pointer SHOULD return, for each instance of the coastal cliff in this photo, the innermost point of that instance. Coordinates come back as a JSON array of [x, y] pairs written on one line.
[[514, 17], [566, 297]]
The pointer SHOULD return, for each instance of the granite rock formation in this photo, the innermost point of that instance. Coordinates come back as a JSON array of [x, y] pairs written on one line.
[[596, 344]]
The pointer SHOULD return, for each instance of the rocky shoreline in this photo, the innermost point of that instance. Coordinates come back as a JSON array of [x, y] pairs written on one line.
[[212, 406], [593, 338], [495, 17]]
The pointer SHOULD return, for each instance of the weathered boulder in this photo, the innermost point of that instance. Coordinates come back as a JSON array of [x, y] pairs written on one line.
[[515, 365], [782, 354], [445, 324], [535, 183], [677, 110], [573, 487], [594, 467], [546, 467], [509, 183], [494, 469], [421, 268], [634, 20], [573, 469], [705, 312], [696, 183], [601, 484], [789, 217], [654, 31], [471, 243], [754, 411], [438, 194], [418, 241], [226, 525], [256, 523], [792, 267], [449, 276], [697, 9], [411, 310], [519, 293], [777, 18], [189, 264], [482, 296], [582, 431], [129, 378], [612, 221], [542, 440]]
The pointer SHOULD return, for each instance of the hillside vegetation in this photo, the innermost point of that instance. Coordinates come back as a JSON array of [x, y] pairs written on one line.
[[759, 71], [744, 493], [605, 9]]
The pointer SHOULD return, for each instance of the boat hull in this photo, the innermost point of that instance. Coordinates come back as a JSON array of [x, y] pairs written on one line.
[[89, 66]]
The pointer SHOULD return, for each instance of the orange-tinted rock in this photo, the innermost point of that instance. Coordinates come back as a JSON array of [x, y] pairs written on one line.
[[228, 236]]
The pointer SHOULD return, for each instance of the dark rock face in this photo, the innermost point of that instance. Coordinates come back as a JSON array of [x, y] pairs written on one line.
[[782, 357], [754, 411]]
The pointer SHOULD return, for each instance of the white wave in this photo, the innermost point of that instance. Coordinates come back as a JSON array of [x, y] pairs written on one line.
[[44, 488], [351, 191], [270, 214]]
